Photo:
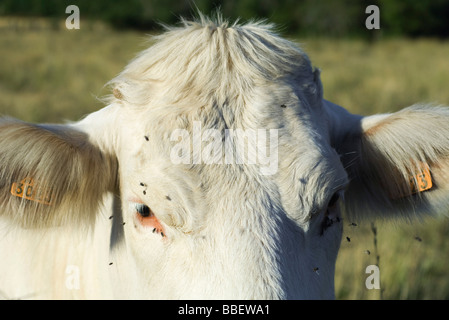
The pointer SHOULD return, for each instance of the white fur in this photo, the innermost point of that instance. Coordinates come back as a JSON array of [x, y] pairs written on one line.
[[230, 231]]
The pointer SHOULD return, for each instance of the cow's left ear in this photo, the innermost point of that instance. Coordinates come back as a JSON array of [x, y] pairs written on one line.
[[398, 164], [52, 174]]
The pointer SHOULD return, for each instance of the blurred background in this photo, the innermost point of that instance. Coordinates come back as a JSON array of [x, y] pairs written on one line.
[[49, 73]]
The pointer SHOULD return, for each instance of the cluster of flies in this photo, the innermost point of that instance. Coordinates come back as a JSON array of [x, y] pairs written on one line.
[[368, 252]]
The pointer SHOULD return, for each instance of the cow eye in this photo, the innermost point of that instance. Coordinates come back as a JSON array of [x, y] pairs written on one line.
[[143, 210], [333, 201]]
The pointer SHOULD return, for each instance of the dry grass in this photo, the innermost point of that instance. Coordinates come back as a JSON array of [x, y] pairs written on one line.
[[53, 74], [49, 74], [384, 76]]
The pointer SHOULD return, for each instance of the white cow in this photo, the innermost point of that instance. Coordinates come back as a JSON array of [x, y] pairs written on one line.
[[216, 171]]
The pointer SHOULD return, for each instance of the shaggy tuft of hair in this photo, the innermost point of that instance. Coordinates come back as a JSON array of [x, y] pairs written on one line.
[[208, 61]]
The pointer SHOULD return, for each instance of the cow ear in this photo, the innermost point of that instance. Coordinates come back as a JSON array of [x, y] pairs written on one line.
[[51, 174], [398, 164]]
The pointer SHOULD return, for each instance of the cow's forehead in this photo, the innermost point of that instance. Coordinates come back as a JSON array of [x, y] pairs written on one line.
[[209, 64], [242, 77], [204, 90]]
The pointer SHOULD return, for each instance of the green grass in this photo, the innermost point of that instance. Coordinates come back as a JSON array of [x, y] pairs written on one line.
[[50, 74]]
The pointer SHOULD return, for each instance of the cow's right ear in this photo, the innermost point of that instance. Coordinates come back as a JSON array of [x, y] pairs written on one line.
[[52, 174], [398, 163]]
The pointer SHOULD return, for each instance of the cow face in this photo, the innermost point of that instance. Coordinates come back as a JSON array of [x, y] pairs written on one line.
[[228, 168], [194, 224], [229, 182]]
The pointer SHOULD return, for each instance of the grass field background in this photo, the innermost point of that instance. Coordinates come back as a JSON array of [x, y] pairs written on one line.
[[50, 74]]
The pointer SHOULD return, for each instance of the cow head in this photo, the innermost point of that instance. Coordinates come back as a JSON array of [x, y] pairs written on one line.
[[229, 165]]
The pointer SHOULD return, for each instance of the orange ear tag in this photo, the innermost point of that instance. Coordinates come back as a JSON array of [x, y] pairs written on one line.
[[421, 181], [27, 189]]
